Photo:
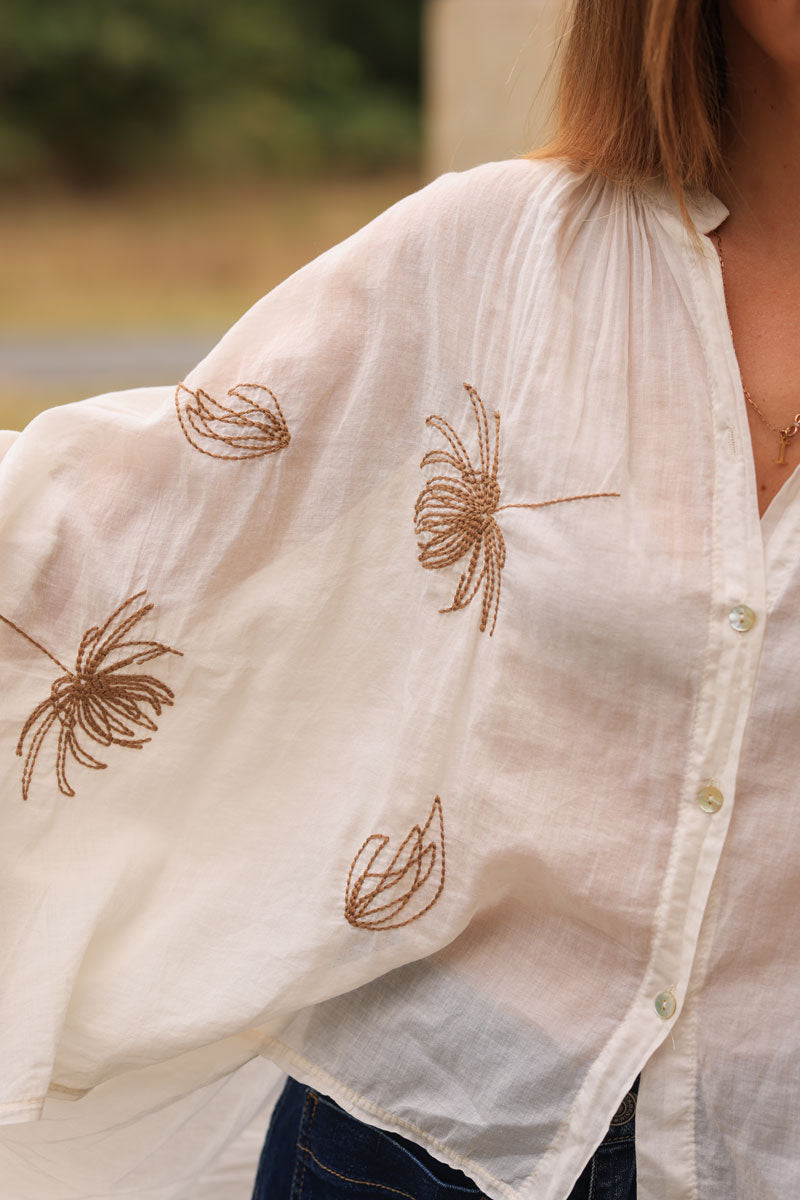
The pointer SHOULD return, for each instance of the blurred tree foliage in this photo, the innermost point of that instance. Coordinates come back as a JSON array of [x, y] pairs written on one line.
[[94, 90]]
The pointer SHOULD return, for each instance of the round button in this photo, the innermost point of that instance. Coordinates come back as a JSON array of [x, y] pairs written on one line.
[[666, 1005], [742, 618], [710, 798]]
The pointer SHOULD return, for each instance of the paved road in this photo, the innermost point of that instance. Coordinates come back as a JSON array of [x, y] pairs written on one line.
[[91, 365]]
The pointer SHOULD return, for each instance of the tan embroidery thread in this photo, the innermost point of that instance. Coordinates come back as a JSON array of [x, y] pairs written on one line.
[[97, 699], [376, 896], [455, 513], [242, 429]]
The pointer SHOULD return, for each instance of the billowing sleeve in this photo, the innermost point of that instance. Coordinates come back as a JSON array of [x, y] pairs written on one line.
[[210, 596]]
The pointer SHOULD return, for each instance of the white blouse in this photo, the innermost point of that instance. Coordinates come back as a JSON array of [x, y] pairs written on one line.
[[410, 698]]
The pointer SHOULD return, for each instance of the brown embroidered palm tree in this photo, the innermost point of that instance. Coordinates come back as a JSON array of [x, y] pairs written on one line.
[[245, 428], [99, 700], [455, 513], [377, 896]]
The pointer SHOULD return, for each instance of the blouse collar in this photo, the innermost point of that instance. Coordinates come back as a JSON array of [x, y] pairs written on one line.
[[706, 210]]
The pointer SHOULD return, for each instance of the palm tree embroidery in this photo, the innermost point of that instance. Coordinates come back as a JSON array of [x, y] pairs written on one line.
[[376, 896], [247, 427], [98, 699], [455, 513]]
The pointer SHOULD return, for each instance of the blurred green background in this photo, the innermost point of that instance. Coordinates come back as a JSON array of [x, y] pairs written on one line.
[[97, 90], [163, 163]]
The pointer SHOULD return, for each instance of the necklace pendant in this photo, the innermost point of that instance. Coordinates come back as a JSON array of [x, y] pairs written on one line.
[[785, 435]]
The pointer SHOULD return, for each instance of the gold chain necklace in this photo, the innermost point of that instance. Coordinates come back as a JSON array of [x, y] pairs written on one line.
[[791, 430]]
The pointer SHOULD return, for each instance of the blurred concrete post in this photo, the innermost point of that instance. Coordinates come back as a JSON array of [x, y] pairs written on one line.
[[485, 66]]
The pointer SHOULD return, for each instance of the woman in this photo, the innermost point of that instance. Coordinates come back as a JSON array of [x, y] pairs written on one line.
[[437, 605], [731, 123]]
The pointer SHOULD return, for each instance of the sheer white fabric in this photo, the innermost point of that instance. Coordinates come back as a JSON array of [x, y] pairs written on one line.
[[270, 873]]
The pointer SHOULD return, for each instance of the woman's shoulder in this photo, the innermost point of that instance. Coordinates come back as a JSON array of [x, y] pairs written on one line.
[[463, 218], [535, 178], [504, 189]]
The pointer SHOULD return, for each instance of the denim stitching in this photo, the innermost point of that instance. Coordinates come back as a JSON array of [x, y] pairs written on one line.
[[349, 1178], [473, 1191], [297, 1192]]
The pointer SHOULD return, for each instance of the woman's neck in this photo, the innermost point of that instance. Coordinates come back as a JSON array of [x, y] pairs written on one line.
[[762, 143]]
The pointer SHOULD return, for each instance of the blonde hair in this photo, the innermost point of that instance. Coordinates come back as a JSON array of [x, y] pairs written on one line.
[[641, 91]]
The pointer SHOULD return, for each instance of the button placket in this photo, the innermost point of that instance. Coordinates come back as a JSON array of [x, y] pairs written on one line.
[[736, 629]]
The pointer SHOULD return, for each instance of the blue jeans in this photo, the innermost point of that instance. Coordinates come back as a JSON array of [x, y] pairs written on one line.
[[316, 1151]]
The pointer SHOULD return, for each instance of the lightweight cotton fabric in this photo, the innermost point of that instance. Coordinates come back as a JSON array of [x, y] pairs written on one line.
[[410, 698]]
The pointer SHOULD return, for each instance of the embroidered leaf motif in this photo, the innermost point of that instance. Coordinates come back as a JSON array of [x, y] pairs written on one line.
[[455, 512], [247, 427], [409, 883], [99, 700]]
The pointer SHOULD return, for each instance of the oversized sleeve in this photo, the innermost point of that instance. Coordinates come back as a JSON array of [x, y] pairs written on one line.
[[214, 687]]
